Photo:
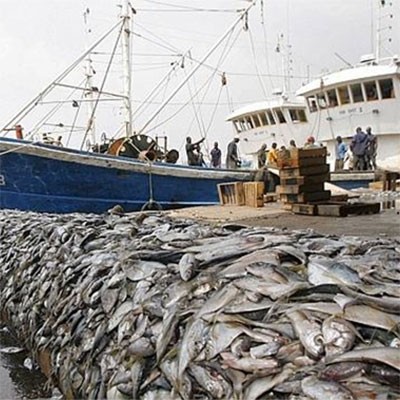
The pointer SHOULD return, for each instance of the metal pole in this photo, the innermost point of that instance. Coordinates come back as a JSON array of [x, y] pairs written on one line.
[[208, 54], [89, 82], [126, 61]]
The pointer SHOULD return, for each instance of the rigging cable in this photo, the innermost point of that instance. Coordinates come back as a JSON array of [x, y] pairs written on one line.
[[256, 63], [91, 118], [22, 114]]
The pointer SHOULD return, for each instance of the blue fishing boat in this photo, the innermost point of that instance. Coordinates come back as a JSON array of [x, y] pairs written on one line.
[[46, 178], [36, 174]]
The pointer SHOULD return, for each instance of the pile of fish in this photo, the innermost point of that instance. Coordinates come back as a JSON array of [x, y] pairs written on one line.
[[143, 306]]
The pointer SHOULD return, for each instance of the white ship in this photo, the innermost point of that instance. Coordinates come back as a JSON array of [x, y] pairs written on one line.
[[335, 104]]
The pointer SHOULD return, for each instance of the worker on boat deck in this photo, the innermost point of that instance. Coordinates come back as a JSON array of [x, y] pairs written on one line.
[[192, 157], [292, 145], [341, 149], [47, 139], [262, 156], [272, 158], [359, 148], [216, 156], [18, 132], [372, 149], [232, 155], [58, 142], [310, 143]]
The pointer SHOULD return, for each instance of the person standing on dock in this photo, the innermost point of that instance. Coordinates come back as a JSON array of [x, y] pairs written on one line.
[[341, 149], [262, 156], [359, 149], [232, 155], [272, 158], [372, 149], [192, 157], [216, 156]]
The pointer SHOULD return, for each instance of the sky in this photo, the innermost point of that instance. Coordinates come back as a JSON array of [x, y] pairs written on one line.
[[40, 38]]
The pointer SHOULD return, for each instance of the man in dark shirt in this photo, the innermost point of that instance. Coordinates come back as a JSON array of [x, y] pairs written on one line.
[[192, 157], [232, 156], [262, 156], [216, 156], [372, 149]]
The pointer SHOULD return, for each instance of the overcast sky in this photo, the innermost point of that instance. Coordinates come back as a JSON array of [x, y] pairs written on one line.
[[40, 38]]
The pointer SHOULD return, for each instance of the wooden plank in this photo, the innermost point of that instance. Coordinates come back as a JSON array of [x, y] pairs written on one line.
[[297, 189], [301, 162], [306, 197], [231, 193], [304, 209], [308, 153], [331, 210], [303, 171], [363, 208], [339, 197], [254, 194], [304, 180], [270, 197]]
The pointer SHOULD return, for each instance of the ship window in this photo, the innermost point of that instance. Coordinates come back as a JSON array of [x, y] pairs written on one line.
[[344, 95], [297, 115], [332, 98], [281, 117], [321, 101], [370, 90], [243, 125], [312, 103], [386, 86], [263, 119], [271, 117], [256, 121], [357, 93], [249, 123], [237, 126]]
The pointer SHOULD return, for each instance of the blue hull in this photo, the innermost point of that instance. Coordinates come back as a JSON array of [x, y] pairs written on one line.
[[36, 177]]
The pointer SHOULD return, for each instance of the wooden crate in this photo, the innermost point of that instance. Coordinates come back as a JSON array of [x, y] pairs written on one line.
[[324, 195], [303, 171], [304, 209], [343, 209], [297, 189], [254, 194], [305, 180], [231, 193]]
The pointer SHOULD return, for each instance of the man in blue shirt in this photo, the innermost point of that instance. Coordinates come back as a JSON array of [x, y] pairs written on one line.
[[341, 149]]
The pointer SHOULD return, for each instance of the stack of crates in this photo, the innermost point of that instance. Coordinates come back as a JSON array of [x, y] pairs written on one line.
[[303, 175]]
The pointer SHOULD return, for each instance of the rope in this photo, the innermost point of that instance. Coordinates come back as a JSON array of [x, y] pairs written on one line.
[[151, 204]]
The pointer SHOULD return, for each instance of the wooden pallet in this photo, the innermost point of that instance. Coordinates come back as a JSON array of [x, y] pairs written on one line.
[[297, 189], [324, 195], [288, 173], [336, 209], [343, 209], [231, 193], [254, 194]]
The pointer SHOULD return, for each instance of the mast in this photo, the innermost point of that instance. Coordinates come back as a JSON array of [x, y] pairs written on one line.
[[127, 63], [89, 72]]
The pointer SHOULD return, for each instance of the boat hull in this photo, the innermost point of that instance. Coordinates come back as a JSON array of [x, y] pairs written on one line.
[[36, 177]]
